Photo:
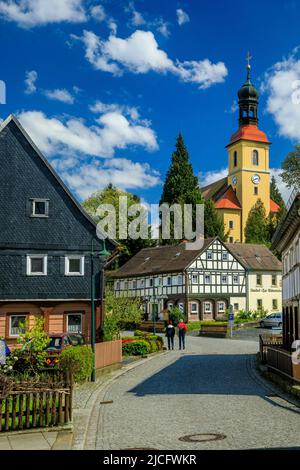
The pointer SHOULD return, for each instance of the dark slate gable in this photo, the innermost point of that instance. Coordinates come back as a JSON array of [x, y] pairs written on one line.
[[25, 174]]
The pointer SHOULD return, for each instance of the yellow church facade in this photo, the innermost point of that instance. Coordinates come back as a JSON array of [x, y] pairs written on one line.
[[248, 177]]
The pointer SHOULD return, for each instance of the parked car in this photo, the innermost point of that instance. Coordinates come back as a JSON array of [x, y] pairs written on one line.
[[274, 319], [59, 342]]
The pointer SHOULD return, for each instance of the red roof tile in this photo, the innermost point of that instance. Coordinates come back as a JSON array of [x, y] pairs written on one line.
[[249, 132], [274, 207], [228, 200]]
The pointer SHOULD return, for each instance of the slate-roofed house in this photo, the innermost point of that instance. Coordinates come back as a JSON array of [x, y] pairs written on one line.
[[45, 243], [202, 282]]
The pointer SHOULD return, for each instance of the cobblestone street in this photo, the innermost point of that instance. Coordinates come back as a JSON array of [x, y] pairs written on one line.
[[211, 387]]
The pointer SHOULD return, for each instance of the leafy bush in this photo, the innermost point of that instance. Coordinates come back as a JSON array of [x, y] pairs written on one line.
[[155, 342], [78, 361], [29, 360], [119, 312], [142, 333], [136, 348], [176, 315]]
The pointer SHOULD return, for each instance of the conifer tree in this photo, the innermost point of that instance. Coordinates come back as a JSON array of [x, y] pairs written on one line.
[[181, 185], [257, 227], [274, 219], [213, 223]]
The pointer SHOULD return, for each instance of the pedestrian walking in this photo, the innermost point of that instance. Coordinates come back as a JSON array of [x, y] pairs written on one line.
[[182, 329], [170, 333]]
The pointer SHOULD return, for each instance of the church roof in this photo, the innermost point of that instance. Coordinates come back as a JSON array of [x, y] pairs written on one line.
[[274, 207], [249, 132], [212, 190], [228, 200]]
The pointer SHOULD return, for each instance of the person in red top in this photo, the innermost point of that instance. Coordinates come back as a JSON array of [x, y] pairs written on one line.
[[182, 329]]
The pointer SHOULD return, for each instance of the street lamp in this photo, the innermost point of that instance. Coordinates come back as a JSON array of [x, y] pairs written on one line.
[[104, 253]]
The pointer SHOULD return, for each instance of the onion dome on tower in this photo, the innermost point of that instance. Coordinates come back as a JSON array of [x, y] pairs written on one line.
[[248, 102]]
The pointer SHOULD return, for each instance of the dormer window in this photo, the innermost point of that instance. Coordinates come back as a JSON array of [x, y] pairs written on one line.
[[255, 158], [39, 207]]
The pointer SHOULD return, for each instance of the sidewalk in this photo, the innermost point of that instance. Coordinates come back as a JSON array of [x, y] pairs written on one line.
[[84, 399], [37, 440]]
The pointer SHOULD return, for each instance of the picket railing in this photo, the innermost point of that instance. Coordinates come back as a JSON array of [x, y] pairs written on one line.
[[36, 408]]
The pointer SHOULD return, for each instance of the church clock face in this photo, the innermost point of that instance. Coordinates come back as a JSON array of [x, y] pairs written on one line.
[[255, 179], [234, 180]]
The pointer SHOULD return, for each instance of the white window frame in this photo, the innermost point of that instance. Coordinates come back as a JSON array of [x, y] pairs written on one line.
[[225, 256], [205, 280], [219, 309], [209, 255], [235, 279], [181, 306], [224, 279], [32, 209], [170, 305], [196, 311], [195, 278], [67, 265], [28, 265], [67, 322], [169, 284], [10, 318], [272, 277], [205, 305], [234, 305]]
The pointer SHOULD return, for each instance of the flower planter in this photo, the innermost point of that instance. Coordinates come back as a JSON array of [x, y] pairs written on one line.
[[214, 331]]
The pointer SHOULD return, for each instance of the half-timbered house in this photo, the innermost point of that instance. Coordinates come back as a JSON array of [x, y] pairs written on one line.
[[202, 282]]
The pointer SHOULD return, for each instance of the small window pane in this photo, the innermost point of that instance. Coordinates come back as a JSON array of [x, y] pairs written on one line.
[[74, 323], [37, 265], [74, 265], [15, 322]]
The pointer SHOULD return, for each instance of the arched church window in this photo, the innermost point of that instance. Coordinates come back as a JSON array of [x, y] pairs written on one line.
[[255, 158], [235, 158]]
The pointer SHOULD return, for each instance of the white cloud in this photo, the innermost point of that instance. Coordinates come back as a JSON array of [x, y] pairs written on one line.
[[140, 53], [30, 79], [60, 95], [98, 13], [30, 13], [211, 176], [284, 190], [282, 84], [131, 111], [182, 17], [121, 172], [137, 18], [163, 27], [111, 131]]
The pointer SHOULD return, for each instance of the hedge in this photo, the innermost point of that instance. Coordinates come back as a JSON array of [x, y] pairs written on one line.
[[78, 360], [136, 348]]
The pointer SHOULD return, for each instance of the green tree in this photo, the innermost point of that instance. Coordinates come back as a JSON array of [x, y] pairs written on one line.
[[257, 227], [111, 195], [291, 168], [181, 187], [119, 312], [213, 223]]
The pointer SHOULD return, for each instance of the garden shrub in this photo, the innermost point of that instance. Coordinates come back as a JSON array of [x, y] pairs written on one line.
[[136, 348], [142, 333], [176, 315], [78, 361]]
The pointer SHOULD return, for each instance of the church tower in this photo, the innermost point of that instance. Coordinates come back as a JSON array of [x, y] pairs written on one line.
[[248, 157]]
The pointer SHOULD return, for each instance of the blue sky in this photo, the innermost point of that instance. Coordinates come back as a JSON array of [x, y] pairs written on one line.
[[104, 87]]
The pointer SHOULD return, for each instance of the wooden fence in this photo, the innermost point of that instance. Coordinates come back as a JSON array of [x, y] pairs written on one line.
[[108, 353], [36, 407], [280, 361], [268, 340]]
